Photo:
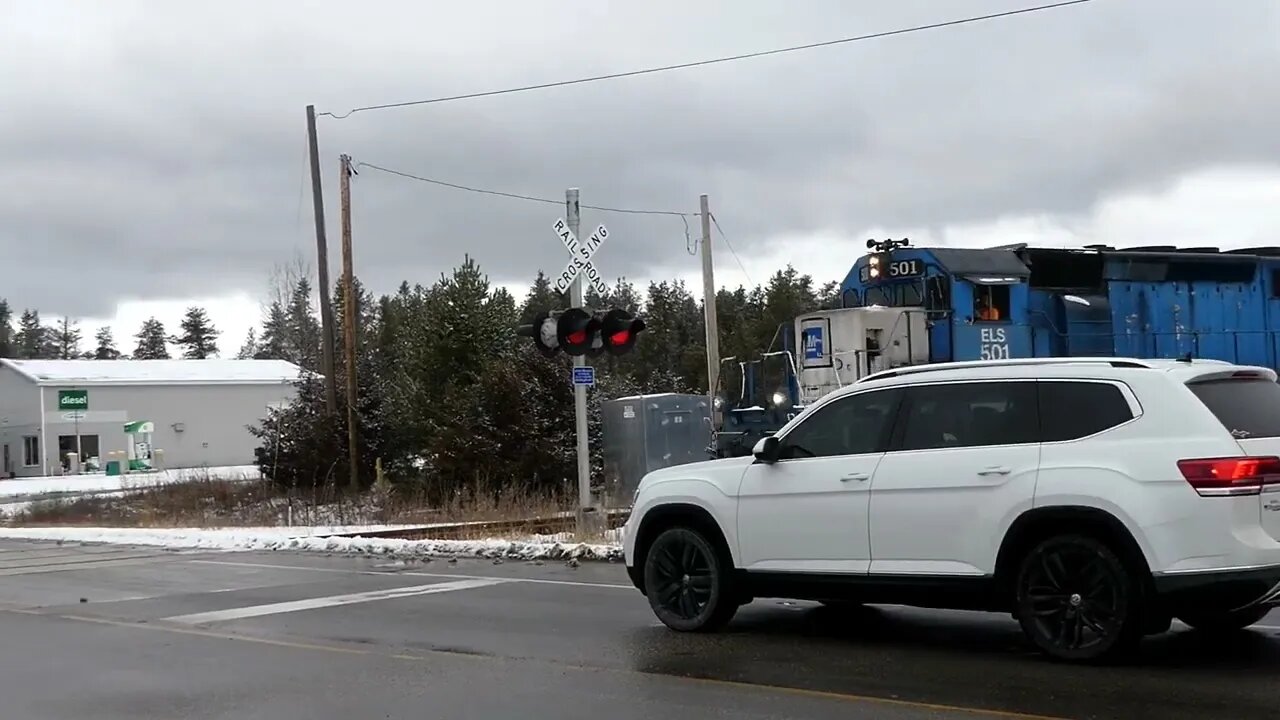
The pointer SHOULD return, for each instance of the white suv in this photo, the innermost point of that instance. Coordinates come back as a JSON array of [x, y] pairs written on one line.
[[1095, 499]]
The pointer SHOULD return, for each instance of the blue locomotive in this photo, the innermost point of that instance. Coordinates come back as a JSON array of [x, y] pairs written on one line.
[[904, 305]]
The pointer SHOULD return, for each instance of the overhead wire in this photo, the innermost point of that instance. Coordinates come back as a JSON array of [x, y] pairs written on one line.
[[710, 61], [517, 196], [732, 252]]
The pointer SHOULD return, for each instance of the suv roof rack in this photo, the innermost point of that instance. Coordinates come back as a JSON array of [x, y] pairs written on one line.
[[1115, 362]]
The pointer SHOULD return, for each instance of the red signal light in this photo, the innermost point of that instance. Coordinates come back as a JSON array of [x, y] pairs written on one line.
[[577, 338], [620, 329]]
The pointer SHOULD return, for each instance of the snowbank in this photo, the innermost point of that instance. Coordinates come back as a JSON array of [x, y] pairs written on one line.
[[320, 539], [100, 482]]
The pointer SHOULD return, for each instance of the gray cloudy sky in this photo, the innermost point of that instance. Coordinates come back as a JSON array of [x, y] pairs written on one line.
[[155, 149]]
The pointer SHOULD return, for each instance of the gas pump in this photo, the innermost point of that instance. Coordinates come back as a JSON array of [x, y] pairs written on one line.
[[140, 450]]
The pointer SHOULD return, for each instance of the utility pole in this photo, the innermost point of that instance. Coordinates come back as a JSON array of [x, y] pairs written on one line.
[[576, 294], [709, 308], [349, 318], [322, 263]]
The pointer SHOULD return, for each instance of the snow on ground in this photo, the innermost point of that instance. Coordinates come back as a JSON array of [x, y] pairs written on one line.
[[321, 539], [100, 482]]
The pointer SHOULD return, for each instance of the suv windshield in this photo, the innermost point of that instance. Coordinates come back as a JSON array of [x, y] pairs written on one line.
[[1248, 408]]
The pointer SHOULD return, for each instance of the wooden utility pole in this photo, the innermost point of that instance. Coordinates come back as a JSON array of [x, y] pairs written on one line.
[[322, 266], [349, 318], [709, 307]]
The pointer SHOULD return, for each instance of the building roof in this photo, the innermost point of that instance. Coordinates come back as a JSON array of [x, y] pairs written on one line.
[[155, 372]]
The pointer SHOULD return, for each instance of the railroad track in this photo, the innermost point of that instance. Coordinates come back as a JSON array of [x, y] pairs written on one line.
[[550, 525]]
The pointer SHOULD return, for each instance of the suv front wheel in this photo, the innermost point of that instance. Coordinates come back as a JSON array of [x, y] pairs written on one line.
[[687, 582], [1076, 600]]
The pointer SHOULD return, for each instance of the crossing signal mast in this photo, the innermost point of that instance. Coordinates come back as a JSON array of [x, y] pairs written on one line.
[[577, 332]]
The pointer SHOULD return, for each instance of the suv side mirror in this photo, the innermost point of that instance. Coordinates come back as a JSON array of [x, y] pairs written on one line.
[[766, 451]]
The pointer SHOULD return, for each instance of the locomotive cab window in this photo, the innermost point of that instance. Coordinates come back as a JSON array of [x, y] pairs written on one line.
[[990, 303]]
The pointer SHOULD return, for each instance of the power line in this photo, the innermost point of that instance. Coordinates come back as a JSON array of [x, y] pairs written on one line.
[[517, 196], [712, 61], [732, 252]]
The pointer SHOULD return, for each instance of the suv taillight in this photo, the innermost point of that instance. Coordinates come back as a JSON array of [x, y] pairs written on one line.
[[1215, 477]]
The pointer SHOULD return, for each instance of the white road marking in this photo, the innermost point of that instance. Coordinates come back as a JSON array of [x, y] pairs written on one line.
[[331, 601], [538, 581]]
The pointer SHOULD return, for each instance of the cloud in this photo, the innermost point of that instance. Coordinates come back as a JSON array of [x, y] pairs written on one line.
[[157, 150]]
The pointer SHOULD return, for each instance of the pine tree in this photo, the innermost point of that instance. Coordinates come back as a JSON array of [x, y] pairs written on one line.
[[249, 349], [6, 329], [65, 339], [152, 341], [31, 340], [541, 298], [199, 337], [274, 344], [302, 328], [106, 345]]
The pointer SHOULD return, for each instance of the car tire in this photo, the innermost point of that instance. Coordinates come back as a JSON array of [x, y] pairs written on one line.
[[688, 583], [1077, 600], [1223, 622]]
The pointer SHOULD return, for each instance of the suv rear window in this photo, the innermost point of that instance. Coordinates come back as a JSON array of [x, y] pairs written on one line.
[[1074, 409], [1248, 408]]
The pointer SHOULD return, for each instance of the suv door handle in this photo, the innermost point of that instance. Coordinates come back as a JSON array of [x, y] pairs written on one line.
[[859, 476], [995, 470]]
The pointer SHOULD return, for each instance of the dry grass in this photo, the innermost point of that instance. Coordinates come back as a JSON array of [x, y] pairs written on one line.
[[206, 502]]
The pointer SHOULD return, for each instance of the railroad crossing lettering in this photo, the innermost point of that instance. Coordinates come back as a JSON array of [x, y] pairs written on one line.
[[580, 254]]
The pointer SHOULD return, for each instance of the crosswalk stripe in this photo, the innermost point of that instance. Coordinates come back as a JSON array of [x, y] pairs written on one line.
[[331, 601]]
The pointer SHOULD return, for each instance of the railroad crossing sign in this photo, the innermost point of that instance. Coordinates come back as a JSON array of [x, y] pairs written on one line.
[[580, 254]]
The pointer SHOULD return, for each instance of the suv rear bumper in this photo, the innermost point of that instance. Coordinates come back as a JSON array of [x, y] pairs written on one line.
[[1221, 589]]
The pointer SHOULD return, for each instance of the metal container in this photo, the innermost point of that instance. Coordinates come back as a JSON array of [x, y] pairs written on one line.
[[643, 433]]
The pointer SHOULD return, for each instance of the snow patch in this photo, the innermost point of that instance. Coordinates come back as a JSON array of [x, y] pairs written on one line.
[[322, 539], [100, 482]]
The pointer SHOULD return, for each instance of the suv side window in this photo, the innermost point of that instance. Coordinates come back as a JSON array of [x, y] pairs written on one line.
[[854, 425], [1073, 409], [973, 414]]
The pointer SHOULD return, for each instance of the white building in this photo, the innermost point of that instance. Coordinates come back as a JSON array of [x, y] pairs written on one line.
[[198, 410]]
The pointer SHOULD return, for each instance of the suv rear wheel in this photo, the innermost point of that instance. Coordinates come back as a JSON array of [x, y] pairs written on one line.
[[687, 582], [1224, 621], [1076, 600]]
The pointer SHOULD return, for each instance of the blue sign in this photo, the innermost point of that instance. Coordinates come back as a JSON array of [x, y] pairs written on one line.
[[812, 339], [584, 376]]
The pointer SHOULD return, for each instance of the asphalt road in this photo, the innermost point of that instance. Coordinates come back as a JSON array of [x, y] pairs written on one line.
[[116, 632]]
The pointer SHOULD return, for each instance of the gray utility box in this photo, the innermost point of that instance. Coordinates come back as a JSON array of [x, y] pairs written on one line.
[[643, 433]]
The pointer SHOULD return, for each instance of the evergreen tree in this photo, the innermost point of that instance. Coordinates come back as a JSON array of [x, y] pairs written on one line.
[[106, 345], [199, 337], [274, 344], [829, 296], [302, 331], [32, 339], [250, 347], [65, 339], [541, 298], [6, 329], [152, 341]]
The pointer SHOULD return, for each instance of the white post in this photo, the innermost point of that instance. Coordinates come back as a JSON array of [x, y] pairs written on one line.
[[709, 308], [576, 296], [43, 444]]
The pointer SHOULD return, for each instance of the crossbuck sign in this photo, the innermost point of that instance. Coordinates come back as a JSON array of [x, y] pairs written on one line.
[[580, 254]]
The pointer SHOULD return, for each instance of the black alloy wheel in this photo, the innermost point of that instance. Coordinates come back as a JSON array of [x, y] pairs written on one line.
[[1076, 600], [686, 582]]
